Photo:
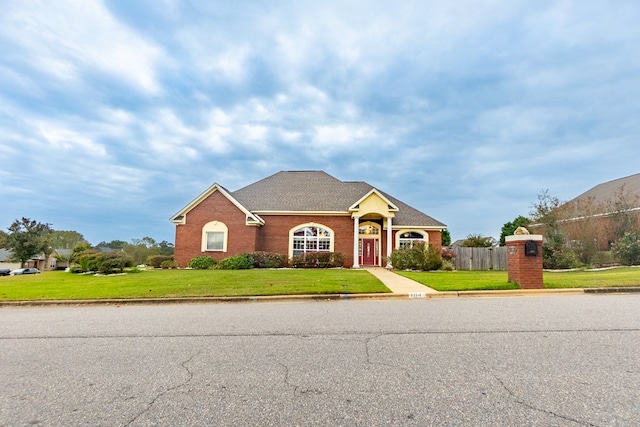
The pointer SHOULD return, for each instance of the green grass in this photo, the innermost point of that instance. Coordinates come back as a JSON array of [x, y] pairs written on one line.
[[617, 277], [57, 285], [461, 280], [220, 283], [492, 280]]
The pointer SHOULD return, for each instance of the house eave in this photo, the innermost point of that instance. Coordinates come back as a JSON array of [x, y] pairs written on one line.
[[303, 213]]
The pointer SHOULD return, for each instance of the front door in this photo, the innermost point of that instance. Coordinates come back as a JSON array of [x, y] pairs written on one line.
[[369, 252]]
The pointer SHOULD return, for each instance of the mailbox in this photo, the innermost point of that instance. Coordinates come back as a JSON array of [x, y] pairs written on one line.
[[531, 248]]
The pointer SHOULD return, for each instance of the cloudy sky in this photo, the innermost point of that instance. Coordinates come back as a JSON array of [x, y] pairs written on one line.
[[116, 114]]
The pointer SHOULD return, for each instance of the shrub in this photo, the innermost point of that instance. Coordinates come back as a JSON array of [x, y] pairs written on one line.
[[448, 254], [156, 261], [447, 266], [603, 259], [419, 257], [268, 260], [112, 262], [88, 260], [202, 263], [627, 249], [237, 262], [169, 263], [555, 258], [318, 260]]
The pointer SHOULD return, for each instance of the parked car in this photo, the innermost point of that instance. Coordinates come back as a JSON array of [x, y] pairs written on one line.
[[20, 271], [4, 271]]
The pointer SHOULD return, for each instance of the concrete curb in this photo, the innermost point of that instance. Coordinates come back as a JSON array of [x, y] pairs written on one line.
[[327, 297]]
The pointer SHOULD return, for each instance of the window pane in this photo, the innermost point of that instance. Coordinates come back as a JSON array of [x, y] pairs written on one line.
[[215, 240]]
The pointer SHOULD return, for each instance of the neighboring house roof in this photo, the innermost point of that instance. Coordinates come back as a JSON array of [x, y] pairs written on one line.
[[605, 192], [311, 192], [458, 243], [602, 198]]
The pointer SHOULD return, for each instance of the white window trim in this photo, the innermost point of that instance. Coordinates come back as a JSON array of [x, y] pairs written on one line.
[[215, 226], [413, 230], [370, 236], [311, 224]]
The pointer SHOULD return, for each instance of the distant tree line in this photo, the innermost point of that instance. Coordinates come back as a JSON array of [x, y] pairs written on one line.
[[27, 238]]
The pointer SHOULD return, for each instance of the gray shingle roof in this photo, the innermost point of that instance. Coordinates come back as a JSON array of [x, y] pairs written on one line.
[[606, 193], [313, 191]]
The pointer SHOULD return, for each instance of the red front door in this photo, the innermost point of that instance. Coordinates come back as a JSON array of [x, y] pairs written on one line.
[[369, 253]]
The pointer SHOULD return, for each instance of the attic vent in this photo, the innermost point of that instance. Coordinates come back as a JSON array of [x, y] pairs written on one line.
[[390, 207], [180, 218]]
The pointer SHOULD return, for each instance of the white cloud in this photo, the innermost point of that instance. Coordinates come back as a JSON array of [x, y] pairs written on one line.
[[71, 39]]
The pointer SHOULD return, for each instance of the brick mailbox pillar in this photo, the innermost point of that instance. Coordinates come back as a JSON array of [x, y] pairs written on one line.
[[524, 260]]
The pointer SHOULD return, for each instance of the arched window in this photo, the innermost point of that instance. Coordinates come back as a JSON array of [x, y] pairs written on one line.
[[214, 237], [406, 239], [310, 238], [369, 229]]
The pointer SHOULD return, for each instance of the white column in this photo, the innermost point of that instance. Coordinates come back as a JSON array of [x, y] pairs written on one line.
[[389, 241], [356, 241]]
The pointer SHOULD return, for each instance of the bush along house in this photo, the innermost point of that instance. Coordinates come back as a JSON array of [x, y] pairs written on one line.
[[297, 212]]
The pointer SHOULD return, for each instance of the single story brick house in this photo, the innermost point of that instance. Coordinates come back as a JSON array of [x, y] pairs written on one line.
[[294, 212]]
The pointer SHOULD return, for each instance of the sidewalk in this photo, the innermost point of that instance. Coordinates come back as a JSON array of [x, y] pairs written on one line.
[[399, 284]]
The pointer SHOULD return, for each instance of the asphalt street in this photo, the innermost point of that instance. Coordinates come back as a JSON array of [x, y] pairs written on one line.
[[544, 360]]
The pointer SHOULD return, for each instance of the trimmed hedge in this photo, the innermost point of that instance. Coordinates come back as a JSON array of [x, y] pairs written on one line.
[[268, 260], [156, 261], [169, 263], [237, 262], [102, 262], [318, 260], [202, 263], [419, 257]]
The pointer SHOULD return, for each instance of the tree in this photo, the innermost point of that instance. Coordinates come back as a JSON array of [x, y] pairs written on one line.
[[61, 239], [166, 248], [478, 241], [114, 244], [510, 227], [547, 213], [446, 238], [623, 218], [3, 239], [28, 238], [141, 249]]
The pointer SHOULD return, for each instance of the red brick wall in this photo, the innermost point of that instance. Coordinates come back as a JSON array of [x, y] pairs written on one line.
[[216, 207], [271, 237], [274, 235]]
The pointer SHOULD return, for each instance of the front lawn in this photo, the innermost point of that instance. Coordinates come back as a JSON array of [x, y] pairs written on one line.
[[57, 285], [492, 280], [460, 280]]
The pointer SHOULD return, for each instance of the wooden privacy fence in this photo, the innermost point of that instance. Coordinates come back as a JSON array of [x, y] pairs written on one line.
[[476, 259]]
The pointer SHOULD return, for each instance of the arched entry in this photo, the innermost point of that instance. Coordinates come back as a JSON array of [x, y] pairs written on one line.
[[369, 244]]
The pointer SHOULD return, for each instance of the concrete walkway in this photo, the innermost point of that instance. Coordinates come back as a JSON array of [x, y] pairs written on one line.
[[399, 284]]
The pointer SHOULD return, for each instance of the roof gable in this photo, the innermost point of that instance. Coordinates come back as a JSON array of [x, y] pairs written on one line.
[[374, 202], [180, 217]]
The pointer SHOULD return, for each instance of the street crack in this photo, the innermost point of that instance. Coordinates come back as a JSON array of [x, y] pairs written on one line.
[[168, 390], [521, 401]]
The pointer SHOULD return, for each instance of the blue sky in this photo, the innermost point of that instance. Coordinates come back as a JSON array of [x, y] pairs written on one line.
[[114, 115]]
